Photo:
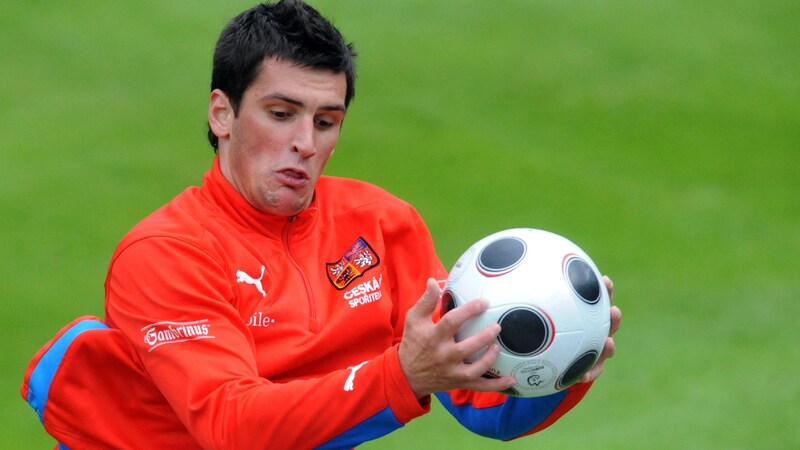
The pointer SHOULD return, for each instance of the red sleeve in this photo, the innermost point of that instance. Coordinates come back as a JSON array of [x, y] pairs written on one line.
[[412, 260], [172, 301]]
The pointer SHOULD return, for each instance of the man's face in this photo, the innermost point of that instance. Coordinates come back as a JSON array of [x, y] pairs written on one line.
[[274, 150]]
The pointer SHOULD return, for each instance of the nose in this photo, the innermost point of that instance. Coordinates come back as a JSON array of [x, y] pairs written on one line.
[[303, 142]]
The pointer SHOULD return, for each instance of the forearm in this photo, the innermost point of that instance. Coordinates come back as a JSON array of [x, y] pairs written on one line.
[[336, 410]]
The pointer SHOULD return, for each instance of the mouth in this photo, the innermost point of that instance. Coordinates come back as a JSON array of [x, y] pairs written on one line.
[[295, 178]]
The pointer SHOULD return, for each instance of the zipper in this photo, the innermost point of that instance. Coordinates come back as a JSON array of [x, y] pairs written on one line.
[[313, 323]]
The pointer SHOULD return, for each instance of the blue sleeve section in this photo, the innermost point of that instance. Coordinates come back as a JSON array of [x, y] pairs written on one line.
[[42, 374], [513, 418], [374, 427]]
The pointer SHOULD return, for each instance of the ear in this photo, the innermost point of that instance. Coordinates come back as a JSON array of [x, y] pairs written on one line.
[[220, 114]]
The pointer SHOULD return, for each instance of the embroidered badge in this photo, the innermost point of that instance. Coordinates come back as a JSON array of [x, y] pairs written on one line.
[[355, 262]]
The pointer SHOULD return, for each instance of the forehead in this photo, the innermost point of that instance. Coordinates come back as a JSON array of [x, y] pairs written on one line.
[[305, 84]]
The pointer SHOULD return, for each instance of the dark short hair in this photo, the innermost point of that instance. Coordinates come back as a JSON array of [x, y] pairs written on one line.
[[289, 30]]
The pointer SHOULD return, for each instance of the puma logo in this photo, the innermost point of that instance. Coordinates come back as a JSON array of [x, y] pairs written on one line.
[[243, 277], [348, 384]]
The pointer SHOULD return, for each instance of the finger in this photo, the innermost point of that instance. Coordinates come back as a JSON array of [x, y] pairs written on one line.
[[456, 317], [493, 384], [609, 286], [476, 373], [426, 305], [478, 342], [490, 384], [609, 349], [482, 365], [616, 320], [592, 374]]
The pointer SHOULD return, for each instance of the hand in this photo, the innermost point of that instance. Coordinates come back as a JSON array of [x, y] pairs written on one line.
[[609, 348], [433, 361]]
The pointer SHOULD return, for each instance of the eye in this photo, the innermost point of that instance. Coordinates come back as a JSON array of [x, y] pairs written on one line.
[[280, 114], [326, 121], [323, 123]]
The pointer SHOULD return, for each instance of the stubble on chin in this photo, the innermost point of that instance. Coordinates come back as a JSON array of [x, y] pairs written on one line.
[[274, 203]]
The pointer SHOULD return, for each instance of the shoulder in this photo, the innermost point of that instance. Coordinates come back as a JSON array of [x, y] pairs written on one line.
[[358, 203], [179, 220], [329, 183], [181, 216], [348, 194]]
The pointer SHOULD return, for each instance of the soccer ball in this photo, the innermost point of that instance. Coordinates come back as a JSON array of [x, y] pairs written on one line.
[[549, 299]]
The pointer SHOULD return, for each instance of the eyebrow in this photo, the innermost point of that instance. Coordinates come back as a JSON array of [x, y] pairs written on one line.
[[293, 101]]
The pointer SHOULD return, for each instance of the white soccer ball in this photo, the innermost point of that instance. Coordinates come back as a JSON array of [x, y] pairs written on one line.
[[549, 299]]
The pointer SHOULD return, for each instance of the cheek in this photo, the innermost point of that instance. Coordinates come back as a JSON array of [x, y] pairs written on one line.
[[321, 161], [253, 144], [327, 146], [253, 126]]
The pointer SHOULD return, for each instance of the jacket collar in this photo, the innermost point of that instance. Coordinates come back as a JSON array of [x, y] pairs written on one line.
[[227, 200]]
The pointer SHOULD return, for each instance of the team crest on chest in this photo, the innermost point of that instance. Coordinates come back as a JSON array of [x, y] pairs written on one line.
[[355, 262]]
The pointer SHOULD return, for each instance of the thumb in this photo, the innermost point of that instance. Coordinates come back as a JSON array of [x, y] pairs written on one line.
[[426, 305]]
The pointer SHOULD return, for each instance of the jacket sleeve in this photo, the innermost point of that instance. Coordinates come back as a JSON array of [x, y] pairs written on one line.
[[412, 259], [498, 416], [172, 301]]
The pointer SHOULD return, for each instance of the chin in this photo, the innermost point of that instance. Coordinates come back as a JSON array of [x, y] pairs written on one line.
[[285, 206]]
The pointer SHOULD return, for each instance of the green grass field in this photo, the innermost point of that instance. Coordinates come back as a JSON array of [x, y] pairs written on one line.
[[662, 137]]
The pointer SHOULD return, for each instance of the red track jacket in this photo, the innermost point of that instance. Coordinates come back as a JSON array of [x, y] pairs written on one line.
[[230, 328]]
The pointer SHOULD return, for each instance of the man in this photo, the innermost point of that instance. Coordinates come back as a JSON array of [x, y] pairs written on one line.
[[274, 307]]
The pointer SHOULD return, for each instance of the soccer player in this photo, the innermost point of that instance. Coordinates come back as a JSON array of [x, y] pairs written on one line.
[[272, 306]]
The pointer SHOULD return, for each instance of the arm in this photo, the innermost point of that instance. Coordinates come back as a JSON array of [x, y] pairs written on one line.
[[208, 373]]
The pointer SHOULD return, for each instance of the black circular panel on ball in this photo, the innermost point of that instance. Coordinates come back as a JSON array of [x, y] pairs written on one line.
[[502, 254], [524, 331], [583, 280], [448, 302], [576, 370]]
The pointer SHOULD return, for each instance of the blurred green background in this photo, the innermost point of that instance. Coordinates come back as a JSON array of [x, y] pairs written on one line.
[[662, 137]]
